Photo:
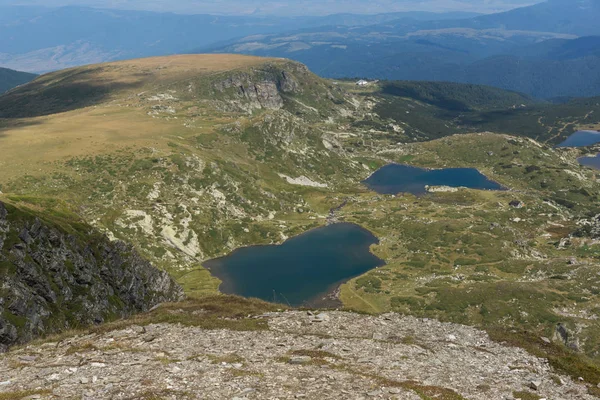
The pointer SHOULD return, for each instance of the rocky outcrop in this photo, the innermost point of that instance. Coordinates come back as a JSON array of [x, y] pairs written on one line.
[[334, 355], [60, 275], [261, 89]]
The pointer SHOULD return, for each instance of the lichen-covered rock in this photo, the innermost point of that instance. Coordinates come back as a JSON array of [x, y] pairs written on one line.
[[56, 276]]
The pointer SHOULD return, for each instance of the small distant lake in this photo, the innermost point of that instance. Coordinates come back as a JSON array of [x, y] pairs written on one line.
[[592, 162], [397, 178], [301, 270], [581, 139]]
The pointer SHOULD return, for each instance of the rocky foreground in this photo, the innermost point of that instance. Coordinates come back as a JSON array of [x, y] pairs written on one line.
[[334, 355]]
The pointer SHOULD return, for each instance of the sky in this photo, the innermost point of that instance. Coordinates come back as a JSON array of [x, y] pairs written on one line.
[[287, 7]]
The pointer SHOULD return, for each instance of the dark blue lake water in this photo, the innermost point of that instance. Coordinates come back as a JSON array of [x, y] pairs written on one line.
[[581, 139], [301, 270], [592, 162], [396, 178]]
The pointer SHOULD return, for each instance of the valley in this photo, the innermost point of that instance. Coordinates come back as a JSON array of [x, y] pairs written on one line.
[[189, 158]]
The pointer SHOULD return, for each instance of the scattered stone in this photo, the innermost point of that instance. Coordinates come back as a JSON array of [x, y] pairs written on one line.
[[150, 337], [178, 362], [322, 317], [298, 360], [535, 385], [546, 340]]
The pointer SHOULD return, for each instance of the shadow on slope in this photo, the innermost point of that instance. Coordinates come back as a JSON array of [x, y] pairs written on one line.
[[10, 124], [63, 91]]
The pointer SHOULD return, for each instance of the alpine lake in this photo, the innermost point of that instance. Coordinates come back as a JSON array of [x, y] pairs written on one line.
[[306, 270], [584, 139]]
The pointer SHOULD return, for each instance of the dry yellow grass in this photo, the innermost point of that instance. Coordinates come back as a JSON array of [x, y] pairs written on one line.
[[33, 145], [154, 70], [195, 63]]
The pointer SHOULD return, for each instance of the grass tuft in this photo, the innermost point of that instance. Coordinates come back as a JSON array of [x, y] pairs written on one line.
[[23, 393]]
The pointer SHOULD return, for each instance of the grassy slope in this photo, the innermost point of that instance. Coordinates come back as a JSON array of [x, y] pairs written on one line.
[[187, 172]]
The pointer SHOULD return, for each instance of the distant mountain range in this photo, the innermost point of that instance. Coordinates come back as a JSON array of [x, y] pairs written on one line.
[[38, 39], [546, 50], [10, 79], [287, 8]]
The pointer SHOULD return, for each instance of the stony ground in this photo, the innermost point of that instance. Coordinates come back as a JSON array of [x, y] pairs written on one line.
[[326, 356]]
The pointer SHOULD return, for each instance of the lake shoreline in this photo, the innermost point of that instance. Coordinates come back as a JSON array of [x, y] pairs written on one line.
[[305, 270], [394, 179]]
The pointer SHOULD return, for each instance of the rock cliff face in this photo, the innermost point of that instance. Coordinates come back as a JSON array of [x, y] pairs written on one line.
[[56, 276], [262, 89]]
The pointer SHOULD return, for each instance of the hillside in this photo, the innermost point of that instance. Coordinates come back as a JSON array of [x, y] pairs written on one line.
[[191, 157], [429, 110], [167, 137], [564, 16], [58, 273], [10, 79], [457, 97]]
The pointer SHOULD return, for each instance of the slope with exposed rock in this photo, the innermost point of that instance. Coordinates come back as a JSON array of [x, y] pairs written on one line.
[[59, 273]]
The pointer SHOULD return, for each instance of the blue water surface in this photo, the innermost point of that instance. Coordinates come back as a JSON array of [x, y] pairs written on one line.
[[302, 269], [397, 178], [581, 139]]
